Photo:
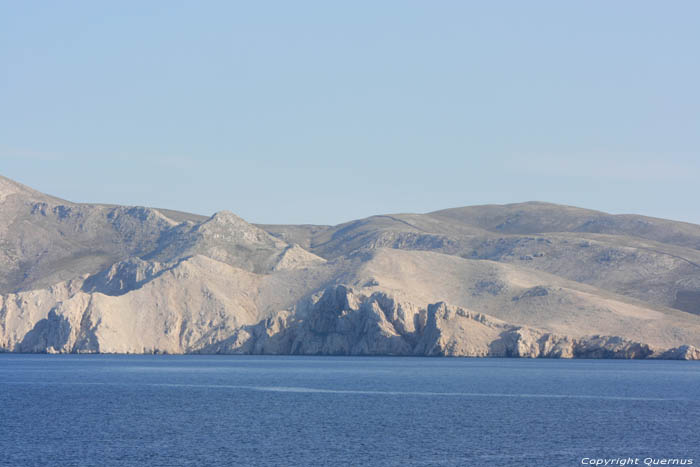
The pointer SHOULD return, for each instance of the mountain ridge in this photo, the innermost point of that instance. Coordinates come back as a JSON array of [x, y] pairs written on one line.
[[530, 279]]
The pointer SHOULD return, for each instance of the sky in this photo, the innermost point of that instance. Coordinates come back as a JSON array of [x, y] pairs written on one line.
[[322, 112]]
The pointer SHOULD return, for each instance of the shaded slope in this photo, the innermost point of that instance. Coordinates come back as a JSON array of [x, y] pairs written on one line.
[[45, 240]]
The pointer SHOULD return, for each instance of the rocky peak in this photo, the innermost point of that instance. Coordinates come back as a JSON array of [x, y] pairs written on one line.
[[225, 225]]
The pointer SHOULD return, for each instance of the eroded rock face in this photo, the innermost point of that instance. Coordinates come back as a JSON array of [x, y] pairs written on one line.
[[684, 352], [341, 322], [134, 307]]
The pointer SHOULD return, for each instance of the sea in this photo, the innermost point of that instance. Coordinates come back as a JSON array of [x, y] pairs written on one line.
[[163, 410]]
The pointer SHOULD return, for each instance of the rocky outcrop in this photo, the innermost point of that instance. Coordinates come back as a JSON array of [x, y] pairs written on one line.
[[180, 308], [341, 322], [684, 352]]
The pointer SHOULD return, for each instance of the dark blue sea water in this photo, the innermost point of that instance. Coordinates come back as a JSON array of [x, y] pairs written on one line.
[[99, 410]]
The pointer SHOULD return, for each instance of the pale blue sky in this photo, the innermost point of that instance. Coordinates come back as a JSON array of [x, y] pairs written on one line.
[[321, 112]]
